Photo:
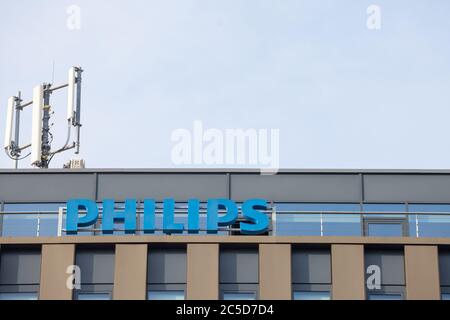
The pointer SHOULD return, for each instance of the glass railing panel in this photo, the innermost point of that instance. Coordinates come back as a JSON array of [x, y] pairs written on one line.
[[48, 225], [436, 224], [342, 224], [20, 225], [311, 219], [288, 224]]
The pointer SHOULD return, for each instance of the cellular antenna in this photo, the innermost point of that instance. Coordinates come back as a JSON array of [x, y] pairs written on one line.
[[41, 138]]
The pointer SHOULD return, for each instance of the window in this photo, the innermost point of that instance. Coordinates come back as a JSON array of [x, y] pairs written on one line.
[[444, 272], [19, 296], [380, 296], [445, 296], [239, 273], [388, 224], [166, 295], [385, 273], [390, 209], [311, 295], [97, 273], [20, 270], [166, 273], [386, 228], [311, 273], [305, 219], [231, 295], [93, 296]]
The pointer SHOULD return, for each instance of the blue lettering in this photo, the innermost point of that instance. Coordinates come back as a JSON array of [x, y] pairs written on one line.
[[110, 215], [169, 225], [220, 212], [193, 216], [213, 219], [260, 221], [73, 220], [149, 216]]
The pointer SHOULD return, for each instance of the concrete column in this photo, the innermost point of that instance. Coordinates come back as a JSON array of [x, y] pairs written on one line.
[[275, 272], [130, 272], [202, 271], [422, 273], [347, 265], [55, 259]]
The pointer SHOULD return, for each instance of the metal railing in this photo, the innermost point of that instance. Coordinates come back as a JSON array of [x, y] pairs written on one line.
[[385, 217], [413, 220]]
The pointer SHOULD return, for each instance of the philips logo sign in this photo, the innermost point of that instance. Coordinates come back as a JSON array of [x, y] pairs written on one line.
[[220, 213]]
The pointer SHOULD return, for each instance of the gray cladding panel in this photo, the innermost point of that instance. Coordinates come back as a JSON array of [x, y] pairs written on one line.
[[407, 188], [391, 263], [166, 266], [311, 266], [239, 266], [46, 187], [288, 187], [298, 187], [96, 265], [444, 267], [20, 266], [181, 187]]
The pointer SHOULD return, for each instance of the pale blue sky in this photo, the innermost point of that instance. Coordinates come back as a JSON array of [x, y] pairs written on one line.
[[342, 96]]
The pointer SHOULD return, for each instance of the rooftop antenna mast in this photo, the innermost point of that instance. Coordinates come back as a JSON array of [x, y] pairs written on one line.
[[41, 137]]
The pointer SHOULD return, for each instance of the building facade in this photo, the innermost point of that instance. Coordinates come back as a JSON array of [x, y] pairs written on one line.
[[333, 234]]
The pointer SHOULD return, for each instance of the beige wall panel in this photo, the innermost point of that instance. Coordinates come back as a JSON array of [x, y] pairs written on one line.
[[275, 272], [422, 273], [202, 272], [347, 265], [130, 272], [55, 260]]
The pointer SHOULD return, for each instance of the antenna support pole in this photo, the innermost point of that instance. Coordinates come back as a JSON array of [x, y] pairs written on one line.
[[17, 128], [77, 123]]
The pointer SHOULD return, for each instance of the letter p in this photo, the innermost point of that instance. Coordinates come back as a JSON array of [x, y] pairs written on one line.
[[213, 219], [73, 220]]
